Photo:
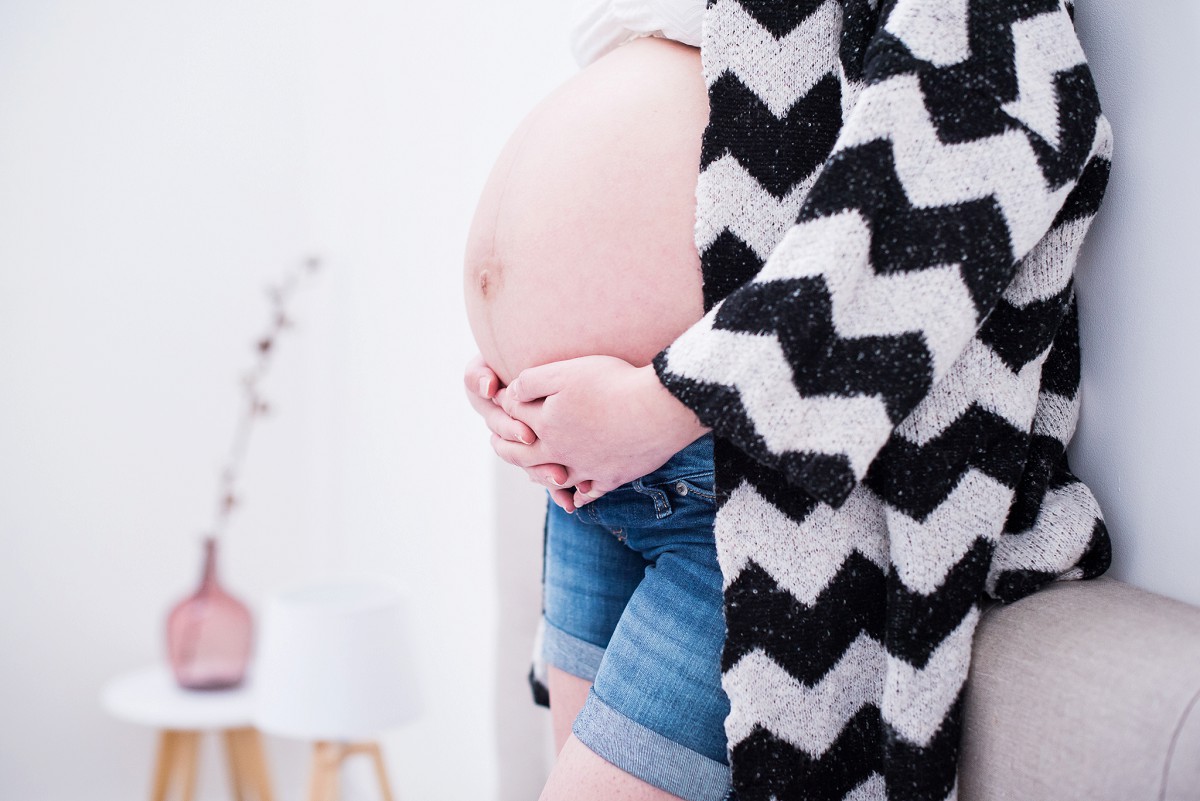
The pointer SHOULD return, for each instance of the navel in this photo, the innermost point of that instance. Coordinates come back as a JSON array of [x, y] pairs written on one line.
[[489, 277]]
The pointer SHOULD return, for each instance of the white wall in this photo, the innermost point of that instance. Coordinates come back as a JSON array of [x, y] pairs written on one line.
[[160, 163], [1138, 284]]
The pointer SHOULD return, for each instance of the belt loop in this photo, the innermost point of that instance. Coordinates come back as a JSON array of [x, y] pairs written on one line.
[[662, 503]]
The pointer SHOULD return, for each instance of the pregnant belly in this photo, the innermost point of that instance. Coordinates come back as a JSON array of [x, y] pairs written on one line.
[[583, 239]]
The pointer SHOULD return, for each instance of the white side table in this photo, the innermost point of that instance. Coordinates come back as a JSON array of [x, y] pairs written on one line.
[[151, 697]]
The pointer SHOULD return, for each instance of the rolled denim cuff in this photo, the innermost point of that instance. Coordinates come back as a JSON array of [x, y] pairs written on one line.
[[648, 755], [570, 654]]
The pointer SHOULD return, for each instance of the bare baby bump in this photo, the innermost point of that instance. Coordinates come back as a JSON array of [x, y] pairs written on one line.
[[583, 239]]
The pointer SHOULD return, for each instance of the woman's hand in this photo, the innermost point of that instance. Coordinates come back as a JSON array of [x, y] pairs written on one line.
[[481, 384], [603, 418], [483, 387]]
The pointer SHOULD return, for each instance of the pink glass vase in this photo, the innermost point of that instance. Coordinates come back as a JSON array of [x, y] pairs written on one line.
[[209, 634]]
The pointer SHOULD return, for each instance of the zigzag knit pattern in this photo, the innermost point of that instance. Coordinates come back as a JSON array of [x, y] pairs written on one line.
[[891, 201]]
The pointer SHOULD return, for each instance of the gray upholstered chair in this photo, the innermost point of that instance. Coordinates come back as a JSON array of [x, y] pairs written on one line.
[[1086, 690]]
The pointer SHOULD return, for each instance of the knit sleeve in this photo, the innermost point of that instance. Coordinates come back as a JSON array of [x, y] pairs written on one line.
[[976, 120]]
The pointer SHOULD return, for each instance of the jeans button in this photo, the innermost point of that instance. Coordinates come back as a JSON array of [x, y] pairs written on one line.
[[681, 488]]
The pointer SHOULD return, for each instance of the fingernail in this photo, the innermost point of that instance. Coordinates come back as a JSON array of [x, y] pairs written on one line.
[[521, 439], [512, 389], [593, 494], [483, 386], [555, 483]]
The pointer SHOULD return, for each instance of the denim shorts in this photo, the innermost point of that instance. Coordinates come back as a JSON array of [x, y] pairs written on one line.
[[633, 603]]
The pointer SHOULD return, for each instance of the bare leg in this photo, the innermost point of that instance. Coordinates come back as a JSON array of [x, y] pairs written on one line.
[[580, 775], [567, 694]]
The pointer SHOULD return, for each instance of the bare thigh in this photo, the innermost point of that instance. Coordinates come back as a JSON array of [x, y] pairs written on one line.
[[578, 774], [567, 694]]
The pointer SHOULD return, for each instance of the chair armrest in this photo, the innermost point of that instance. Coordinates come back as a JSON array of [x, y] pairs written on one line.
[[1088, 690]]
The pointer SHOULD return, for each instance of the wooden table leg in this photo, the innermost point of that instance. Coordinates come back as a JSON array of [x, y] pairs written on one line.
[[178, 754], [238, 769], [189, 745], [316, 776], [327, 757], [248, 765], [327, 761], [260, 776], [167, 743], [380, 771]]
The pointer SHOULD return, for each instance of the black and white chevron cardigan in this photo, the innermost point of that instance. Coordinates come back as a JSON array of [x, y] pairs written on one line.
[[891, 200]]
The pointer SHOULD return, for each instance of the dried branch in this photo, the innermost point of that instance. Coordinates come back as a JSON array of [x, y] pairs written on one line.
[[254, 406]]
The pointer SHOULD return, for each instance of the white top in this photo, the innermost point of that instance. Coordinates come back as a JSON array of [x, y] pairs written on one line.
[[151, 697], [603, 25]]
